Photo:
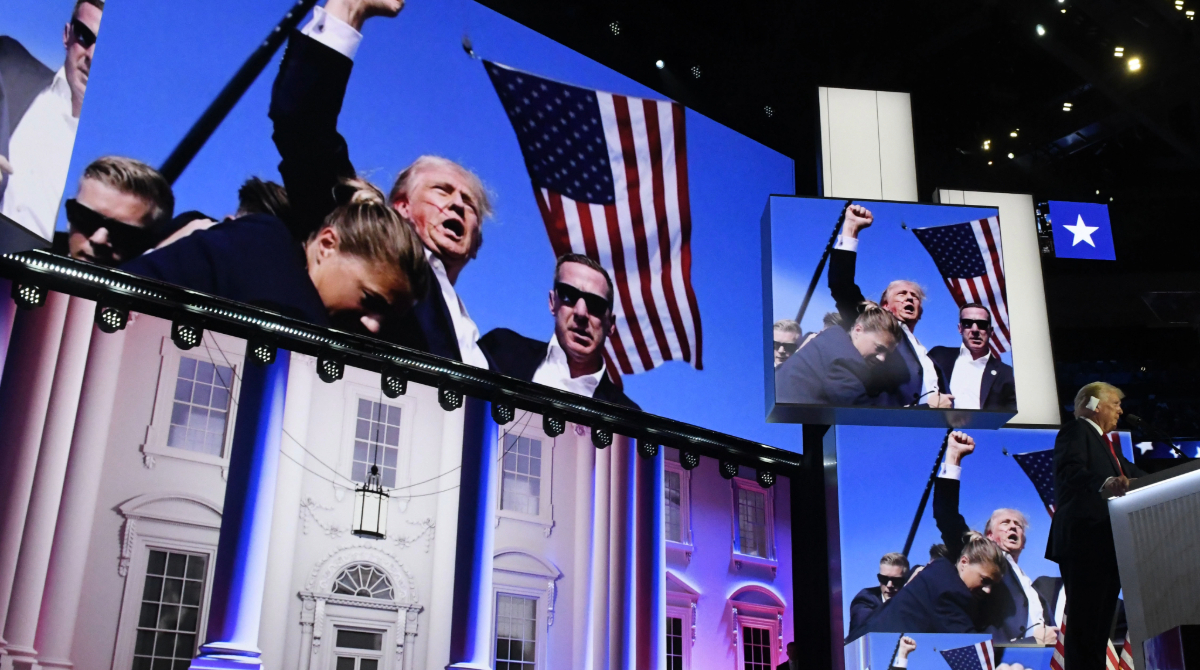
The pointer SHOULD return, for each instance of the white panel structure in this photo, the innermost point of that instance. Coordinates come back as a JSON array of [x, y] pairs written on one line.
[[1157, 538], [1033, 362], [867, 147]]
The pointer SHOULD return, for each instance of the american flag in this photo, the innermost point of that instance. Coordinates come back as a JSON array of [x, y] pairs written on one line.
[[1039, 467], [978, 656], [971, 261], [1123, 660], [1056, 661], [610, 177]]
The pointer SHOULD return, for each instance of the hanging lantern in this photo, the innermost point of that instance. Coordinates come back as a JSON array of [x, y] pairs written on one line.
[[370, 507]]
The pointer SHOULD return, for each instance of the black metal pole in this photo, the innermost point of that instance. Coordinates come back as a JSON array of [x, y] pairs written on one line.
[[812, 285], [912, 531], [220, 107]]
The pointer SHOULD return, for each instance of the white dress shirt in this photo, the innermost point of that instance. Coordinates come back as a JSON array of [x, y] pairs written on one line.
[[967, 378], [929, 382], [342, 38], [465, 330], [40, 153], [555, 373]]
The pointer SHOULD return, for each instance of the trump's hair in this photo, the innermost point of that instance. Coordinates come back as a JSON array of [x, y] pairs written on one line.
[[1094, 390], [978, 549], [894, 558], [404, 182], [917, 288]]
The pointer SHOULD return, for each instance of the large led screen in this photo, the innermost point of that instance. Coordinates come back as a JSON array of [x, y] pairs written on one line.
[[904, 321], [568, 156]]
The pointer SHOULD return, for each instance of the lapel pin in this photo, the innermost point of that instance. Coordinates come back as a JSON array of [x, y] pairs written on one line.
[[993, 373]]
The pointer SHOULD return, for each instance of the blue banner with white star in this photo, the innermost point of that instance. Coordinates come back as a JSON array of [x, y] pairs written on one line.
[[1082, 230]]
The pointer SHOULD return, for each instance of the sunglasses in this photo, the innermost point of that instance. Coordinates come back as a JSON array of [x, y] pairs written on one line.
[[789, 347], [83, 35], [569, 295], [982, 324], [894, 581], [131, 240]]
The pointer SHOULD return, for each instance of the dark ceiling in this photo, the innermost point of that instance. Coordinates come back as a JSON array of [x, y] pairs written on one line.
[[977, 70]]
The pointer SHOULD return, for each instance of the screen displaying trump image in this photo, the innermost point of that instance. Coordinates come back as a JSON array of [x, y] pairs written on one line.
[[911, 314], [503, 202]]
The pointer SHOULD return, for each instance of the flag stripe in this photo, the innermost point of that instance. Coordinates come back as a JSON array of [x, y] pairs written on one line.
[[987, 234], [675, 198], [660, 265], [685, 228]]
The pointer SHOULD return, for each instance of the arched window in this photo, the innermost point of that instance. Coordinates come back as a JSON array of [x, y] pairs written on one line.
[[365, 581]]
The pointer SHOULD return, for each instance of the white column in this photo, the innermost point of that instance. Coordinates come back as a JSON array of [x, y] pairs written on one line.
[[600, 571], [73, 531], [30, 580], [445, 542], [24, 396], [623, 616], [585, 509], [278, 596], [1033, 362], [867, 148]]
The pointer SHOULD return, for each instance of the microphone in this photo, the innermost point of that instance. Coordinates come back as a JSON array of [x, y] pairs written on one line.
[[1151, 431]]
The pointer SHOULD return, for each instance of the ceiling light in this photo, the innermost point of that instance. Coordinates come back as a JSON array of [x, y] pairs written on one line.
[[1135, 64], [768, 111], [186, 335], [260, 351], [553, 425], [728, 469], [1010, 155], [1067, 106], [450, 399], [330, 368], [28, 296], [503, 412], [987, 145], [695, 72], [765, 478], [689, 460], [647, 449], [1063, 10], [659, 64], [989, 162], [1097, 191], [601, 438], [615, 28], [393, 383], [1191, 15], [1041, 30], [1179, 4], [1119, 52]]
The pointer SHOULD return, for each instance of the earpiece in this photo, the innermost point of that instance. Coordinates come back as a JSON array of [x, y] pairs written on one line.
[[1093, 403]]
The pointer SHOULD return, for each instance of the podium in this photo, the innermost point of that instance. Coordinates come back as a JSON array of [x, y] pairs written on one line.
[[1156, 527]]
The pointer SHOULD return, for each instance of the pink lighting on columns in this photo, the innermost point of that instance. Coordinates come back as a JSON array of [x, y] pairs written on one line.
[[24, 395]]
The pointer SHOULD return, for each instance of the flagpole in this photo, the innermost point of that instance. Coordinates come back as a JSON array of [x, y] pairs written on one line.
[[912, 531], [812, 285], [207, 124]]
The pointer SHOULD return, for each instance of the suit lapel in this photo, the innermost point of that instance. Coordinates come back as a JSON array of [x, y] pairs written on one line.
[[1100, 442], [989, 377]]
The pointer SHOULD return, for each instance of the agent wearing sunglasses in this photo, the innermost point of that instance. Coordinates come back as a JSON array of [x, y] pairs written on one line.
[[893, 573], [582, 307], [977, 379], [116, 215], [42, 109], [787, 340]]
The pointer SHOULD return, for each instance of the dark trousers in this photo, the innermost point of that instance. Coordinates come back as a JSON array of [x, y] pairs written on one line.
[[1092, 583]]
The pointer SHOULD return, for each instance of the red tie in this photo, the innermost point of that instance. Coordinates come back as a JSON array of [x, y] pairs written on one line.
[[1109, 439]]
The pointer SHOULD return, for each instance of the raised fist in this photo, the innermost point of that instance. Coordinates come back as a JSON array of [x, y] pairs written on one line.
[[958, 445], [356, 12], [857, 218], [907, 646]]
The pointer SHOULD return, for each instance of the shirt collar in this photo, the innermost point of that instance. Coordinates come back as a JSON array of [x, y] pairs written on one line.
[[963, 351], [59, 85], [555, 354], [1094, 425]]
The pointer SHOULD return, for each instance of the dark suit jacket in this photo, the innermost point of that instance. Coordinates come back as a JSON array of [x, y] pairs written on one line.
[[1005, 612], [1082, 463], [22, 78], [1049, 588], [897, 382], [305, 103], [518, 356], [997, 388], [866, 602], [252, 260], [935, 601], [826, 371]]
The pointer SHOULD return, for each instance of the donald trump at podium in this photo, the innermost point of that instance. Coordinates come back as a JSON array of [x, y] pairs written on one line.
[[1088, 470]]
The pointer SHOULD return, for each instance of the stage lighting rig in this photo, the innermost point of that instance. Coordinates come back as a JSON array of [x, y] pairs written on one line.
[[553, 425], [690, 460], [260, 351], [186, 335], [766, 479], [28, 296], [602, 438], [449, 398], [110, 318], [647, 449], [503, 412], [659, 64], [330, 368], [393, 383], [728, 469]]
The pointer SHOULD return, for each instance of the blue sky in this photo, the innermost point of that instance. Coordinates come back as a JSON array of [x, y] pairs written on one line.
[[38, 26], [800, 229], [414, 91], [882, 472]]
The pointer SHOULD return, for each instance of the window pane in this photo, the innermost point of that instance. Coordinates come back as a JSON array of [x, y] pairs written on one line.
[[520, 485], [376, 440], [516, 628], [674, 643], [345, 663], [166, 635], [672, 515], [368, 664], [756, 648], [357, 639], [752, 523]]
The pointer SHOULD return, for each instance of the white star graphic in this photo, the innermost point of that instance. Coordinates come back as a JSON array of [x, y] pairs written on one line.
[[1145, 446], [1082, 232]]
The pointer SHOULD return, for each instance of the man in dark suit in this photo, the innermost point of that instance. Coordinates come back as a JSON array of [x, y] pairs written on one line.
[[444, 202], [39, 115], [1088, 470], [945, 597], [1014, 610], [893, 573], [982, 380], [911, 377], [793, 662], [581, 304], [836, 368]]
